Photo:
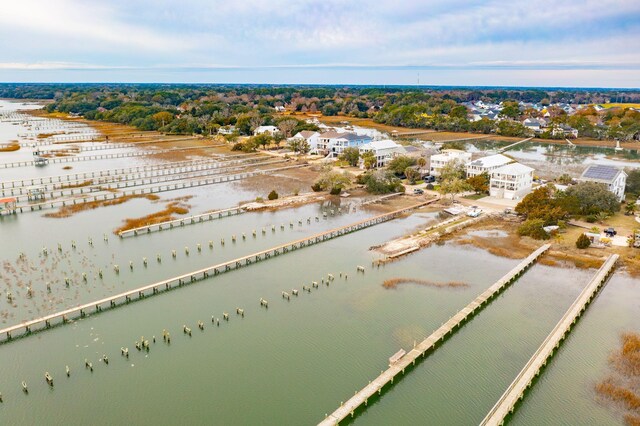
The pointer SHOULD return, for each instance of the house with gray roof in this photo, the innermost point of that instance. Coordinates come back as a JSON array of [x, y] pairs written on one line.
[[614, 178]]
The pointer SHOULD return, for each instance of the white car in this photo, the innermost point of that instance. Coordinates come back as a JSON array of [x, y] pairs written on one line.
[[475, 212]]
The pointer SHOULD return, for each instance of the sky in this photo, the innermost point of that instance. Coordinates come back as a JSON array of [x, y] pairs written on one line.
[[562, 43]]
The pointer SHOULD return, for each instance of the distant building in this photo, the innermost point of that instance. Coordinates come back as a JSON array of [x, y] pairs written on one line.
[[384, 151], [512, 181], [332, 143], [438, 161], [614, 178], [227, 130], [271, 130], [564, 130], [487, 164], [536, 125]]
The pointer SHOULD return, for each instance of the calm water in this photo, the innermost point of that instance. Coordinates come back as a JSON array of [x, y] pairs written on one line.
[[553, 160], [297, 360]]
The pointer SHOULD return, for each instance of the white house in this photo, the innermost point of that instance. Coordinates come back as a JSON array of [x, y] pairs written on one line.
[[614, 178], [512, 181], [438, 161], [333, 143], [311, 137], [227, 130], [271, 130], [487, 164], [384, 151]]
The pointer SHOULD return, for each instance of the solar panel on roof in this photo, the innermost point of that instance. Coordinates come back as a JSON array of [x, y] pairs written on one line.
[[606, 173]]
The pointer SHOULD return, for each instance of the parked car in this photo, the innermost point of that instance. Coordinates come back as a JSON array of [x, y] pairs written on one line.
[[610, 232], [474, 212], [429, 179], [418, 191]]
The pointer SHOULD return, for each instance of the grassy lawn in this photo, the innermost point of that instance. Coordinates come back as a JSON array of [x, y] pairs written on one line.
[[620, 105], [474, 196]]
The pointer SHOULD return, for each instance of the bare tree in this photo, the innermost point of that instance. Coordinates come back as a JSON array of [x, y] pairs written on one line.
[[287, 126], [255, 121]]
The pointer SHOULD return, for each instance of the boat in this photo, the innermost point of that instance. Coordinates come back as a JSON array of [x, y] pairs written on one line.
[[24, 387]]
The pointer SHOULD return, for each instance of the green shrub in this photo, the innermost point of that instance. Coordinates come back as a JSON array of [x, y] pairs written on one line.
[[273, 195], [316, 187], [533, 228], [583, 242], [335, 190]]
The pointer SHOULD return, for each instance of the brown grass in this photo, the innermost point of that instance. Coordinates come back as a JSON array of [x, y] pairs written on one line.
[[46, 135], [10, 147], [68, 211], [77, 185], [395, 282], [629, 399], [631, 420], [622, 384], [174, 207]]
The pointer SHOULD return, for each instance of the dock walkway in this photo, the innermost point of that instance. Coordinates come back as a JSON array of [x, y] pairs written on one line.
[[508, 147], [516, 390], [191, 277], [361, 398]]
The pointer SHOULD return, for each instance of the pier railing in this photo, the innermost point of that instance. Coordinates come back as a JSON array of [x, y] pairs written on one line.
[[191, 277], [399, 365], [516, 390]]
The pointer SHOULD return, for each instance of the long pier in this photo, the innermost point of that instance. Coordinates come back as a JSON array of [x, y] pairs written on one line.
[[131, 181], [191, 277], [109, 156], [400, 363], [197, 218], [82, 176], [153, 189], [516, 390], [508, 147]]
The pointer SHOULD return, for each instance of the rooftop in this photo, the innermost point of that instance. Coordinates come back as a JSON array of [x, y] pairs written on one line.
[[514, 169], [600, 173], [491, 161], [383, 144]]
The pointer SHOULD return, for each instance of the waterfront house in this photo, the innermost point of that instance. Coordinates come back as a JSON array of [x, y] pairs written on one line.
[[512, 181], [564, 130], [332, 143], [270, 130], [311, 137], [487, 164], [384, 151], [536, 125], [438, 161], [614, 178]]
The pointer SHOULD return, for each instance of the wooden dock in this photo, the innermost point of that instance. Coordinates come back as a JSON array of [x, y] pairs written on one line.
[[516, 390], [361, 398], [121, 172], [197, 218], [153, 189], [110, 184], [508, 147], [108, 156], [191, 277]]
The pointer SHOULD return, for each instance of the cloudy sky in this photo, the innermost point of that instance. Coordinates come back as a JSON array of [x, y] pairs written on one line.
[[587, 43]]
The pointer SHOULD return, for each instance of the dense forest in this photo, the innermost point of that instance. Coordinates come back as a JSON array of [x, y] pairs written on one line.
[[203, 109]]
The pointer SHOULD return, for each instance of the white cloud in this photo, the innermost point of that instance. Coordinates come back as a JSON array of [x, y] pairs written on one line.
[[255, 34]]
